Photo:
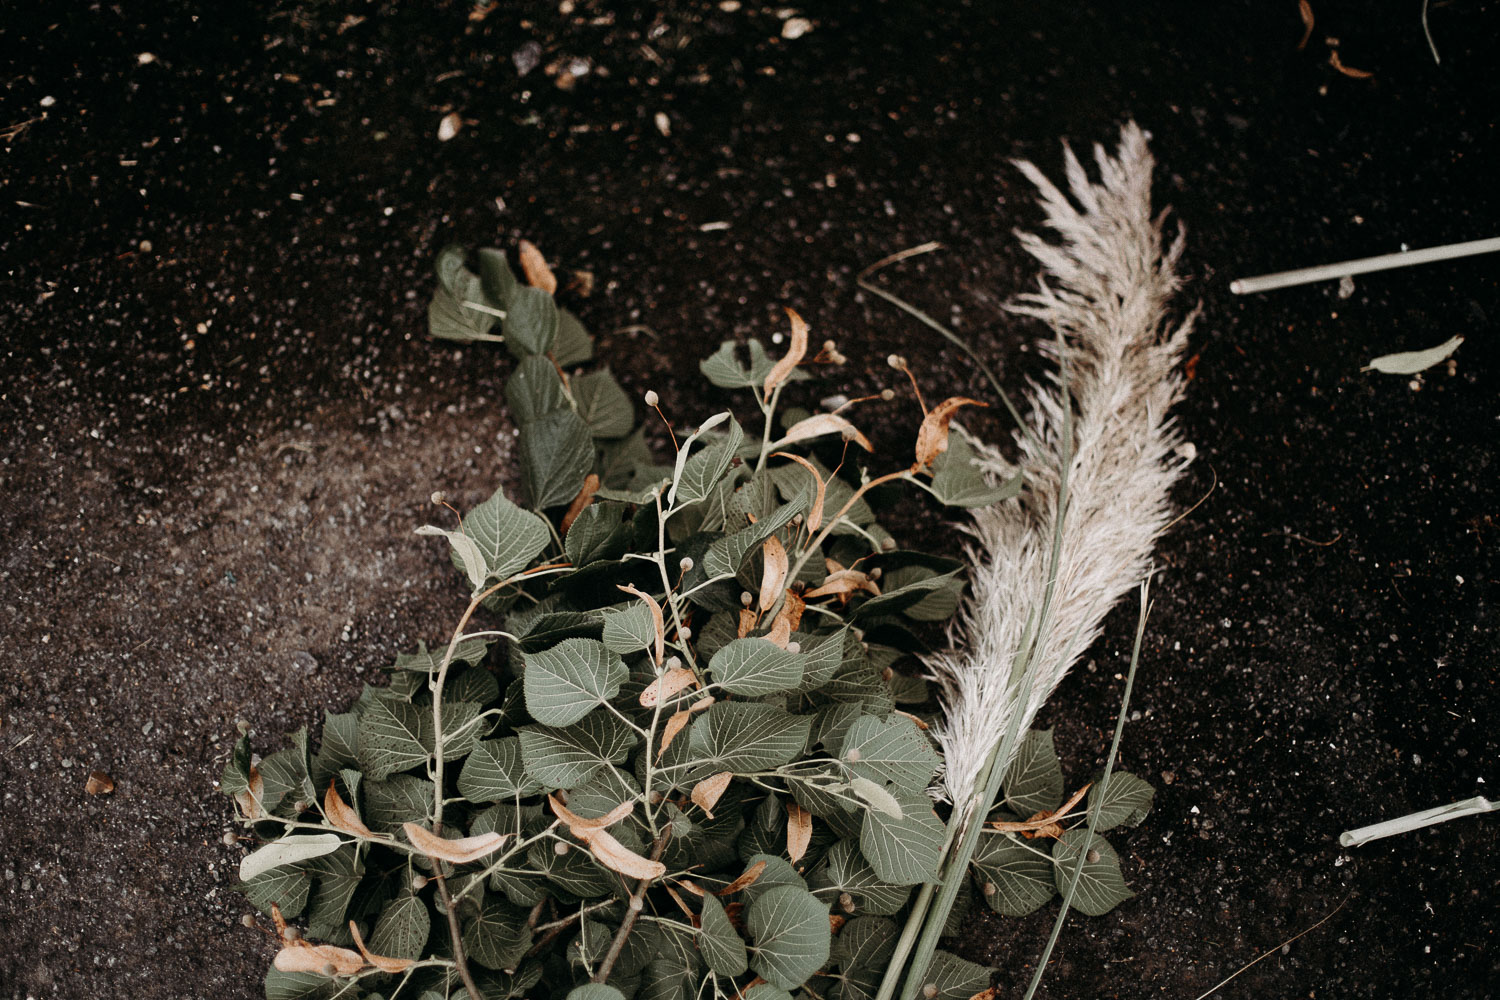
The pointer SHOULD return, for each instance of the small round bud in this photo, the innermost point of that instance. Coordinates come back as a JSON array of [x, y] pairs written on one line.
[[243, 726], [887, 674], [896, 361], [794, 647], [248, 920], [685, 563], [745, 598], [438, 496], [300, 806], [684, 633], [990, 889], [930, 990], [656, 797], [230, 838], [829, 345], [876, 573], [854, 756], [652, 398], [846, 902], [560, 848], [673, 662], [292, 935], [637, 903], [1093, 857], [328, 971], [887, 394], [888, 544], [418, 883]]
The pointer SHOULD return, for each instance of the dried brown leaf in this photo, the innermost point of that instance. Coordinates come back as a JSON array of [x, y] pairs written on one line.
[[656, 620], [380, 962], [577, 824], [748, 619], [616, 856], [459, 852], [815, 515], [318, 959], [279, 922], [1043, 823], [534, 266], [1305, 9], [798, 831], [671, 729], [1350, 71], [707, 792], [744, 881], [836, 922], [932, 436], [250, 799], [580, 503], [773, 575], [667, 685], [920, 724], [783, 368], [844, 582], [824, 423], [341, 815]]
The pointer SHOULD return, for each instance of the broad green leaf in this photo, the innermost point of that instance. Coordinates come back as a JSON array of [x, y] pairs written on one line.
[[428, 661], [576, 871], [907, 850], [557, 452], [573, 345], [466, 555], [1411, 362], [534, 389], [494, 772], [706, 467], [847, 870], [595, 991], [685, 451], [754, 667], [723, 948], [286, 887], [724, 369], [236, 777], [765, 991], [778, 871], [497, 937], [530, 324], [567, 757], [955, 978], [474, 684], [508, 537], [284, 776], [603, 405], [496, 277], [402, 798], [1019, 872], [298, 985], [908, 599], [629, 629], [570, 680], [1101, 887], [726, 555], [865, 943], [601, 532], [340, 740], [393, 736], [462, 728], [1126, 802], [791, 482], [890, 751], [451, 314], [958, 482], [290, 850], [338, 876], [790, 930], [743, 737], [403, 928], [1034, 781]]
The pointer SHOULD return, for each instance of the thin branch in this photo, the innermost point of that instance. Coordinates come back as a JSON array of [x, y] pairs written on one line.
[[632, 911]]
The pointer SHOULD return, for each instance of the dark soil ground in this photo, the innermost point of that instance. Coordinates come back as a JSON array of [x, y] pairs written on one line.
[[221, 417]]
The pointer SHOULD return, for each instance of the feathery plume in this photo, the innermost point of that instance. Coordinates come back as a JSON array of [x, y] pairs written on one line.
[[1104, 292]]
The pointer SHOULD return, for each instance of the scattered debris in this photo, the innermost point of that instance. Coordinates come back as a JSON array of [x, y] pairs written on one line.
[[1307, 23], [1346, 287], [449, 126], [663, 123], [99, 783], [1411, 362], [1350, 71], [527, 58], [795, 27]]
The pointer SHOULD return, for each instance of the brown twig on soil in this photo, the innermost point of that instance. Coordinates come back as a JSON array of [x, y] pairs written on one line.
[[1274, 950]]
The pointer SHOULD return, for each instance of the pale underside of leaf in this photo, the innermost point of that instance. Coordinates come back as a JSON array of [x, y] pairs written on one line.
[[824, 423], [657, 621], [318, 959], [616, 856], [1412, 362]]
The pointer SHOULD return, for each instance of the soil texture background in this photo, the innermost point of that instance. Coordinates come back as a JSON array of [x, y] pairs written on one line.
[[221, 416]]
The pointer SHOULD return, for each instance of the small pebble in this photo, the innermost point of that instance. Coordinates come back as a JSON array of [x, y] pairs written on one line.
[[99, 783]]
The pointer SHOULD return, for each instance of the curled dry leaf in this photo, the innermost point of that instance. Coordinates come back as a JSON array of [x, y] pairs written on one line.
[[919, 723], [773, 575], [616, 856], [341, 815], [707, 792], [989, 994], [670, 731], [1350, 71], [932, 436], [317, 959], [279, 922], [250, 799], [825, 423], [99, 783], [1043, 823], [783, 368], [798, 831], [667, 685], [682, 905], [380, 962], [1305, 9], [580, 503], [843, 582], [748, 619], [744, 881], [836, 922], [460, 852], [787, 619], [534, 266], [656, 619], [815, 514], [691, 886], [577, 824]]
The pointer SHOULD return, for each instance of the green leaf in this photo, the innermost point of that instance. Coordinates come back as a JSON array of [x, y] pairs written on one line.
[[425, 661], [955, 978], [1034, 781], [297, 985], [497, 937], [790, 930], [629, 629], [567, 757], [724, 369], [958, 482], [595, 991], [573, 345], [474, 684], [894, 751], [1411, 362], [876, 797], [743, 737], [570, 680], [1101, 887], [778, 870], [765, 991], [600, 532], [907, 850], [754, 667], [1021, 875], [497, 279], [494, 772], [726, 555], [603, 405], [236, 777], [449, 315], [403, 928], [722, 947], [393, 736], [462, 728], [534, 389], [557, 452], [290, 850], [286, 887], [847, 870], [338, 876], [702, 472], [909, 597], [865, 943], [508, 537], [530, 324], [403, 798], [1126, 802]]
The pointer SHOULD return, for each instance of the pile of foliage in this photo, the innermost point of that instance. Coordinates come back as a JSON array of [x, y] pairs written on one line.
[[681, 757]]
